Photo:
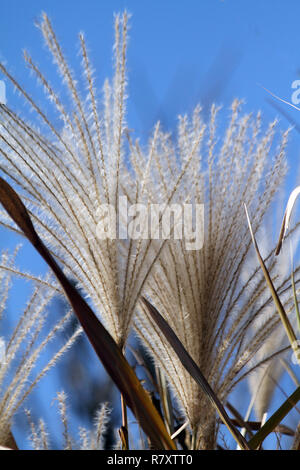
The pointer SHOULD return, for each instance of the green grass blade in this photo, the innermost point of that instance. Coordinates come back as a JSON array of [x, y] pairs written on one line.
[[275, 420], [295, 299], [294, 287], [283, 316]]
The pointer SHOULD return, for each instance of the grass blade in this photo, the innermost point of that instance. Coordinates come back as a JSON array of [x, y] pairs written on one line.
[[275, 420], [190, 365], [283, 316], [295, 299], [286, 218], [256, 426], [106, 348], [280, 99]]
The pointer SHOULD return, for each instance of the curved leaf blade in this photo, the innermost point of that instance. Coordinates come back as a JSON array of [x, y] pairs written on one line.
[[190, 365], [106, 348], [275, 420], [286, 218]]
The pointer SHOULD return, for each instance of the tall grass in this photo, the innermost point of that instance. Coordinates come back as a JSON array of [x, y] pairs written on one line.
[[220, 310]]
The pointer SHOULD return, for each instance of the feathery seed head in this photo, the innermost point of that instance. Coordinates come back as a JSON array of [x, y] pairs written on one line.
[[81, 167], [200, 292], [84, 165], [21, 350]]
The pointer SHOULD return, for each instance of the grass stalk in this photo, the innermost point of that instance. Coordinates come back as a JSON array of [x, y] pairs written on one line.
[[283, 316], [124, 428], [275, 420]]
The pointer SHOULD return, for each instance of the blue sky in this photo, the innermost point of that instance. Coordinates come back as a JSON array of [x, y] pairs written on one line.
[[181, 52], [178, 52]]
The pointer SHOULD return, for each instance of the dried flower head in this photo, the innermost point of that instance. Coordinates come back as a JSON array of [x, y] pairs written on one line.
[[200, 292], [88, 439], [67, 173], [81, 167], [21, 350]]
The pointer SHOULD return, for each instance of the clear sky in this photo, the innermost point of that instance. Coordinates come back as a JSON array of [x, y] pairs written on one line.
[[181, 52]]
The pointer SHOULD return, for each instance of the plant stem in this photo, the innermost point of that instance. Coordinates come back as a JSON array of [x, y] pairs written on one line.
[[124, 429], [194, 440], [275, 419]]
